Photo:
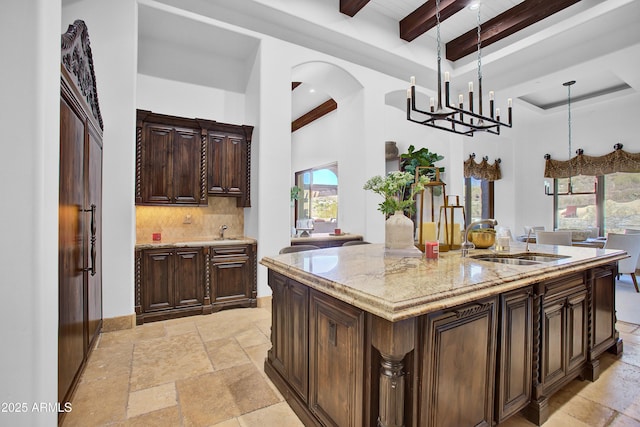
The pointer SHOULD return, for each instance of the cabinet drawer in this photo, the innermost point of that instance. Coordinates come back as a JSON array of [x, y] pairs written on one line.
[[226, 251], [564, 286]]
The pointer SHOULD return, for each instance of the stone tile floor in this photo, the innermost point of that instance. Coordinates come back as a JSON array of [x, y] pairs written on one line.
[[208, 371]]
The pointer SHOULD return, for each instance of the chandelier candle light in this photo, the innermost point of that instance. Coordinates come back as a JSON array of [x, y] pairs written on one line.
[[454, 118]]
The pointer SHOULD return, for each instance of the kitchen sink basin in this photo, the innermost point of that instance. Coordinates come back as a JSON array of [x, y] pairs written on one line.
[[227, 238], [529, 258]]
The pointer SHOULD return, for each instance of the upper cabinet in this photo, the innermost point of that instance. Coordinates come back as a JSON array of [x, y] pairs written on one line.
[[229, 153], [181, 161]]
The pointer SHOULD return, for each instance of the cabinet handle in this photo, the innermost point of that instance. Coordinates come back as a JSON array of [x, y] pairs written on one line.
[[92, 268], [333, 333]]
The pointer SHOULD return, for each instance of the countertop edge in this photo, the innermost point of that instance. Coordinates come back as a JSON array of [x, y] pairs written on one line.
[[419, 306], [195, 243]]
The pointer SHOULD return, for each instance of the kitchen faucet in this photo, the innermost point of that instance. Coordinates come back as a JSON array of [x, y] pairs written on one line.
[[222, 229], [528, 234], [467, 245]]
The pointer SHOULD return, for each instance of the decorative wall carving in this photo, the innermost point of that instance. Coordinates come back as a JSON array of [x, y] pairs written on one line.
[[78, 61]]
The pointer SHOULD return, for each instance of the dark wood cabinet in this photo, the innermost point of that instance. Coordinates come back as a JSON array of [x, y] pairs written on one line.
[[514, 368], [289, 353], [233, 276], [229, 152], [170, 282], [336, 359], [79, 211], [170, 161], [563, 331], [458, 366], [603, 319]]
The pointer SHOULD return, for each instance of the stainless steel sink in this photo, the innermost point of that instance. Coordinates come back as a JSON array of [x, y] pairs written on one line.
[[519, 259], [504, 260]]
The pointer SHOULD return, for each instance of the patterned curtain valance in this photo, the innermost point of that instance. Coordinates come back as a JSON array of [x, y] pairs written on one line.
[[616, 161], [482, 170]]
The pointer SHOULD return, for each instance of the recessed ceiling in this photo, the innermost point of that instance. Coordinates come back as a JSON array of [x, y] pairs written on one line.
[[179, 48]]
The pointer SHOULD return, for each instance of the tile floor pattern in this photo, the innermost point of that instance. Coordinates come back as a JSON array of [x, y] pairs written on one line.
[[208, 371]]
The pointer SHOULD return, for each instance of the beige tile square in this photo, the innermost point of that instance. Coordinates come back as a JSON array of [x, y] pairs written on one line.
[[230, 423], [161, 360], [278, 415], [205, 400], [622, 420], [108, 361], [102, 401], [226, 353], [167, 417], [151, 399], [251, 337]]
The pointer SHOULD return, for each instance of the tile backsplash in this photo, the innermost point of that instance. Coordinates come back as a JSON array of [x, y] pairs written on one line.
[[205, 220]]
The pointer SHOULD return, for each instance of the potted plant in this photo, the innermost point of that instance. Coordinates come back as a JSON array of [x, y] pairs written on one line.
[[398, 190], [413, 158]]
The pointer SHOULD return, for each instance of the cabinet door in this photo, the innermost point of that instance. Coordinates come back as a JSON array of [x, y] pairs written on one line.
[[297, 339], [279, 319], [514, 354], [189, 277], [335, 361], [227, 164], [603, 310], [459, 366], [553, 341], [157, 166], [71, 296], [93, 233], [157, 280], [231, 279], [185, 184], [576, 330]]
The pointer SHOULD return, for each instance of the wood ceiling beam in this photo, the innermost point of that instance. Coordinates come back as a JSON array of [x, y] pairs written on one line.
[[295, 85], [322, 109], [423, 18], [351, 7], [509, 22]]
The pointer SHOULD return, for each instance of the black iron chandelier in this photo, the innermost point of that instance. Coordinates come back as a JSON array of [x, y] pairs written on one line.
[[455, 118]]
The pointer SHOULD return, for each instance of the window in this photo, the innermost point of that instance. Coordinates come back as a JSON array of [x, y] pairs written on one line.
[[613, 208], [478, 199], [318, 200]]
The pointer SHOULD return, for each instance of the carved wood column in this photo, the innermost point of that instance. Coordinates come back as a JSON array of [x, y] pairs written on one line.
[[393, 340]]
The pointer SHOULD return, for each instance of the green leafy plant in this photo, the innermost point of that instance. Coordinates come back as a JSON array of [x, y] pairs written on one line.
[[295, 193], [398, 189], [422, 157]]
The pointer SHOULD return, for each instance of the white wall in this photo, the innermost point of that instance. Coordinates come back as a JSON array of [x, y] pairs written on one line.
[[30, 117], [187, 100]]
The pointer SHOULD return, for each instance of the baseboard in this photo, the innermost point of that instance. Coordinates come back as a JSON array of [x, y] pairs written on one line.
[[264, 302], [118, 323]]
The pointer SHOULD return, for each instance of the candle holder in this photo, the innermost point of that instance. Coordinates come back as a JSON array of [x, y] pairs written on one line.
[[451, 222], [428, 203]]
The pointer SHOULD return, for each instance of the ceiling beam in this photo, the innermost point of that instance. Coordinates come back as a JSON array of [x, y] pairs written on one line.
[[423, 18], [295, 85], [509, 22], [322, 109], [351, 7]]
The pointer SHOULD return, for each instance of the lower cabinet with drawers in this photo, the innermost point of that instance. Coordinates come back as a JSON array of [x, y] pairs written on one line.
[[184, 281]]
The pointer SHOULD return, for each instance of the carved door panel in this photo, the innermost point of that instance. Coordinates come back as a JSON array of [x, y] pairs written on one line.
[[234, 160], [514, 377], [227, 165], [279, 320], [603, 310], [157, 165], [188, 277], [71, 246], [458, 366], [297, 330], [229, 279], [93, 235], [576, 330], [157, 282], [553, 341], [335, 361], [185, 166]]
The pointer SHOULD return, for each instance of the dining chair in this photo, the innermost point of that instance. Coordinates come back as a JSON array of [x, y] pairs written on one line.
[[562, 238], [633, 231], [631, 244], [297, 248], [355, 242], [533, 228]]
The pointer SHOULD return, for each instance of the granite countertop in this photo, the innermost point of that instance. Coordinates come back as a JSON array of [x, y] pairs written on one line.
[[397, 288], [194, 241], [325, 236]]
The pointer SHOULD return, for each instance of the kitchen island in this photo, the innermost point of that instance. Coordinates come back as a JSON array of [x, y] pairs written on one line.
[[363, 339]]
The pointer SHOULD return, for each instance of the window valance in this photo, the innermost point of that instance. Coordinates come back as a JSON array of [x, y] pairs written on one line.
[[482, 170], [616, 161]]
